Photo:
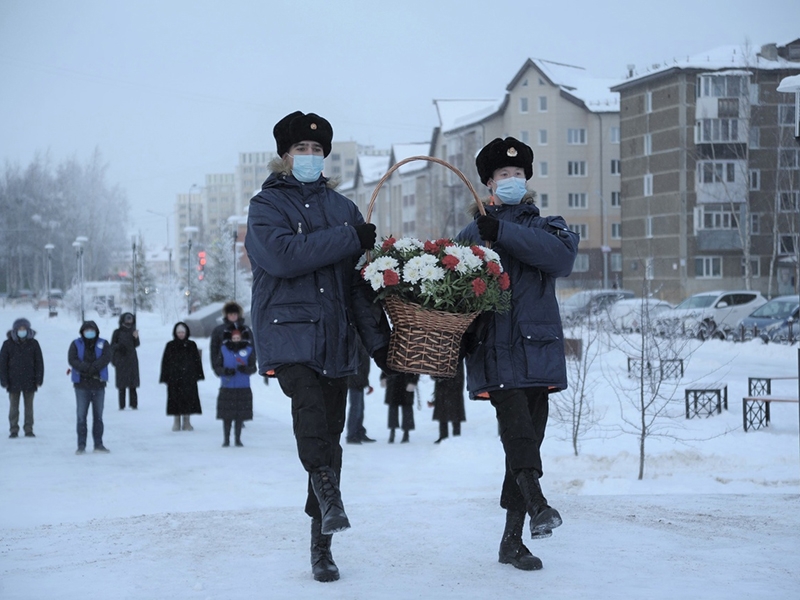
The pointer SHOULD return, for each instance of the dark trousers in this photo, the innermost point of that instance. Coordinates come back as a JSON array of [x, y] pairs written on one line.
[[522, 419], [355, 415], [408, 417], [443, 428], [13, 411], [318, 411], [134, 398]]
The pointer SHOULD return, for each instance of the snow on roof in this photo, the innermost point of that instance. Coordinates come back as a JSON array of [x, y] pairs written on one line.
[[592, 91], [372, 167], [403, 151], [454, 114], [790, 84], [731, 56]]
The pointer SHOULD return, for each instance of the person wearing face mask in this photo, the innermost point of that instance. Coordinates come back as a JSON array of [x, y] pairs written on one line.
[[21, 373], [181, 369], [516, 359], [308, 305], [125, 359], [88, 357]]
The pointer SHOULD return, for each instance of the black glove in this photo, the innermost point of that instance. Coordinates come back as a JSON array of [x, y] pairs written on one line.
[[229, 371], [380, 357], [92, 372], [488, 228], [366, 235], [242, 369]]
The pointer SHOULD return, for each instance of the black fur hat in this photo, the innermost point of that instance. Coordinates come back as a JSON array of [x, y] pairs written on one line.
[[501, 153], [298, 127], [232, 307]]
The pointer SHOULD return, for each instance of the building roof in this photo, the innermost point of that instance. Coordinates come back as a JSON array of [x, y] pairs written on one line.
[[403, 151], [718, 59], [372, 167], [454, 114], [574, 81], [790, 84]]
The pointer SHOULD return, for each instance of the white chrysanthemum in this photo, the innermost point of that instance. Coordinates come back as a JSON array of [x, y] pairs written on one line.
[[385, 262], [431, 272], [408, 243], [374, 276], [490, 255], [412, 272], [467, 261]]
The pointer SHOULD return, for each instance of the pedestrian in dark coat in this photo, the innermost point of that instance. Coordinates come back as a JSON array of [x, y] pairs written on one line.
[[448, 402], [88, 357], [308, 305], [181, 369], [356, 384], [232, 318], [21, 373], [400, 388], [516, 359], [236, 364], [124, 342]]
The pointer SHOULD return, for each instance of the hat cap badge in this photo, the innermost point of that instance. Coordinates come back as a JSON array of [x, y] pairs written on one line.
[[511, 152], [313, 126]]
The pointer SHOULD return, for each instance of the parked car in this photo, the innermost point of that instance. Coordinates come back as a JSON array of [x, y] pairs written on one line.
[[772, 321], [711, 314], [590, 302], [629, 314]]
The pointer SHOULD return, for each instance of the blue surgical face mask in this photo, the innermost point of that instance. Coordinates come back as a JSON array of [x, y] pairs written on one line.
[[307, 167], [22, 333], [90, 334], [510, 190]]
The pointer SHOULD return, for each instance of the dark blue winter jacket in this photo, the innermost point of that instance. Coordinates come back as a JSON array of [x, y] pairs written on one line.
[[308, 300], [523, 347]]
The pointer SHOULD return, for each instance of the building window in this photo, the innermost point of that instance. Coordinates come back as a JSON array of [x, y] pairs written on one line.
[[616, 261], [648, 144], [543, 137], [715, 216], [787, 244], [755, 266], [543, 169], [755, 179], [648, 102], [615, 166], [524, 137], [787, 201], [716, 172], [582, 229], [614, 135], [581, 263], [648, 184], [708, 267], [576, 168], [722, 86], [542, 103], [336, 156], [524, 83], [716, 130], [576, 136], [754, 141], [648, 226], [544, 200], [616, 231], [615, 199], [541, 81], [787, 158], [755, 224], [523, 105], [786, 114], [576, 200]]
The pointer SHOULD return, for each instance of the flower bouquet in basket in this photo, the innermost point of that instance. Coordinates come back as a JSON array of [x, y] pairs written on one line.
[[432, 291]]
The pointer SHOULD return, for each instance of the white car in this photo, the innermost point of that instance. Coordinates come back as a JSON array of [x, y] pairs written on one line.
[[711, 314], [629, 314]]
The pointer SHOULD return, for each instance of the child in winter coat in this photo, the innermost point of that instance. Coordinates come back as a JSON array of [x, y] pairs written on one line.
[[400, 388], [235, 400], [181, 369], [21, 373], [124, 342]]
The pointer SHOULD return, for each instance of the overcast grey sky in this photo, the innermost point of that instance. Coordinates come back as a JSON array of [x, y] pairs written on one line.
[[170, 90]]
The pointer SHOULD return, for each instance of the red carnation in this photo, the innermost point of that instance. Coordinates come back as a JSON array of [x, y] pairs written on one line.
[[504, 281], [431, 247], [445, 242], [449, 261], [478, 251], [390, 278], [478, 286], [388, 243], [493, 268]]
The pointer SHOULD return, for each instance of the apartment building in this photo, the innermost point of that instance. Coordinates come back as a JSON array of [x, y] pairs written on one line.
[[710, 173], [571, 120]]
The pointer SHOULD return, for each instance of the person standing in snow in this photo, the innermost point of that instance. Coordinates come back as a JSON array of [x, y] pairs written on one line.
[[88, 357], [21, 373], [308, 305], [125, 359], [356, 384], [448, 402], [232, 318], [400, 388], [181, 369], [516, 359], [234, 366]]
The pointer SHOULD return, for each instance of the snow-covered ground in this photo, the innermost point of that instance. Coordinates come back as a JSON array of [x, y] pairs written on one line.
[[173, 515]]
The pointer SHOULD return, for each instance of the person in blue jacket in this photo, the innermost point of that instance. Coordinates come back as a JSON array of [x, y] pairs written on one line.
[[516, 359], [234, 366], [88, 358], [309, 304]]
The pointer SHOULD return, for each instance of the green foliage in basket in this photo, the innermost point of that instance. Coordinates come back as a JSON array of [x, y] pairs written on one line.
[[442, 274]]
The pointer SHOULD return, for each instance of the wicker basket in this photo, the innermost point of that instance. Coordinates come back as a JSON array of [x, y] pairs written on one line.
[[423, 340]]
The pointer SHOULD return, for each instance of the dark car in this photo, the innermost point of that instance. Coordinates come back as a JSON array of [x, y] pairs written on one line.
[[776, 321]]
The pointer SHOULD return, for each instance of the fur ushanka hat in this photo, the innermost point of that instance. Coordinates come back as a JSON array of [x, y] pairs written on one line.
[[500, 153], [298, 127]]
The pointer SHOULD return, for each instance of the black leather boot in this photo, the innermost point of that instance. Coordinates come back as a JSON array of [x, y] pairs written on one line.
[[512, 550], [326, 489], [391, 436], [226, 433], [544, 518], [322, 565]]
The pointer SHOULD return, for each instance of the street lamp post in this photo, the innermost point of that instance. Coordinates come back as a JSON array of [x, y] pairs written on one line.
[[233, 221], [49, 249], [78, 244], [189, 231], [133, 256]]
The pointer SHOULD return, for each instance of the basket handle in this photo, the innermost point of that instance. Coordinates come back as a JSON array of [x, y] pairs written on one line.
[[396, 166]]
